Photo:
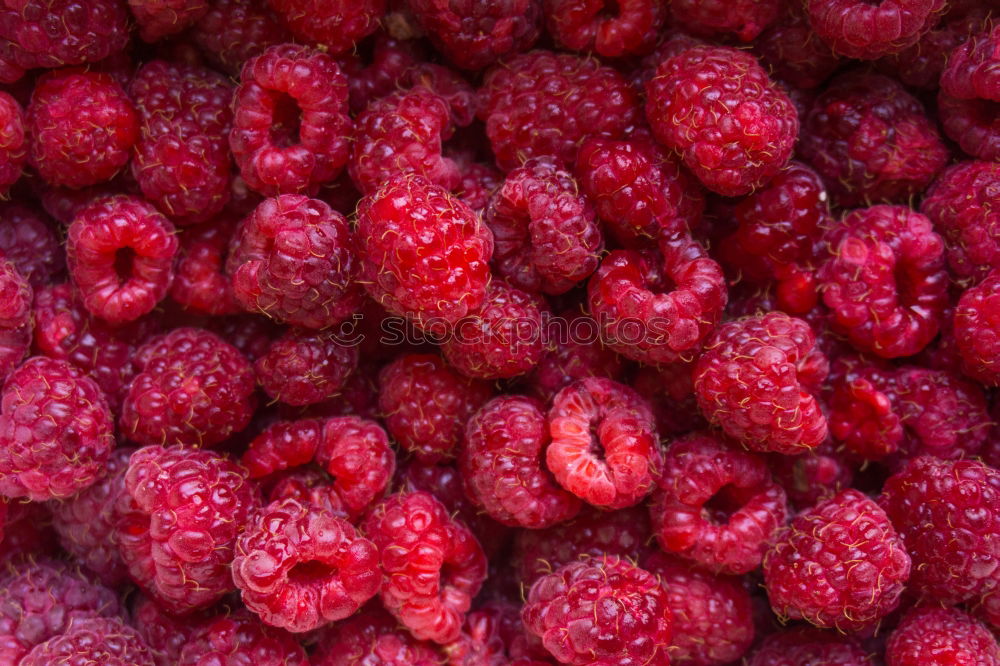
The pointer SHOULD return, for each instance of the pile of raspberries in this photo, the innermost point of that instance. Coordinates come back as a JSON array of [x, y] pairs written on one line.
[[499, 332]]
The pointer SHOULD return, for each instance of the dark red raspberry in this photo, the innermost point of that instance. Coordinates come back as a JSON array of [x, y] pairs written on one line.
[[240, 639], [621, 29], [383, 72], [493, 635], [733, 127], [544, 103], [658, 308], [503, 469], [977, 330], [82, 128], [161, 18], [305, 367], [545, 233], [865, 30], [971, 123], [251, 334], [13, 142], [885, 280], [425, 404], [792, 53], [755, 378], [28, 240], [669, 390], [234, 31], [15, 317], [180, 514], [960, 204], [797, 646], [120, 252], [92, 640], [86, 522], [745, 18], [946, 513], [713, 618], [424, 254], [716, 505], [602, 611], [182, 157], [165, 634], [27, 534], [335, 25], [969, 73], [290, 124], [200, 282], [191, 388], [373, 637], [432, 564], [479, 181], [300, 567], [941, 635], [811, 477], [309, 486], [56, 33], [871, 140], [638, 189]]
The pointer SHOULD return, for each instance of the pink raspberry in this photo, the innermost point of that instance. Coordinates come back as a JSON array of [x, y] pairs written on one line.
[[792, 53], [240, 639], [754, 380], [733, 127], [544, 103], [622, 29], [15, 317], [942, 635], [373, 637], [801, 645], [336, 25], [603, 611], [977, 330], [13, 141], [861, 29], [234, 31], [971, 123], [28, 240], [161, 18], [432, 564], [200, 282], [92, 640], [305, 367], [884, 280], [290, 124], [745, 18]]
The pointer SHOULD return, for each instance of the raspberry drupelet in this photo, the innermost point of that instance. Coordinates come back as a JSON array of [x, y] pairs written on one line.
[[621, 29], [334, 25], [970, 70], [941, 635], [161, 18], [15, 317], [240, 639], [432, 564], [13, 141], [733, 127], [602, 611], [107, 641], [745, 19], [28, 240], [755, 381], [796, 646], [977, 330], [234, 31], [866, 30], [305, 367], [291, 128], [373, 637]]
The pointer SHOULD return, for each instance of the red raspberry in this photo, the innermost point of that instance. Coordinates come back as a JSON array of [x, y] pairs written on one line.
[[941, 635], [946, 513], [82, 128], [15, 317], [28, 240], [544, 103], [165, 634], [425, 404], [793, 54], [871, 140], [669, 390], [604, 447], [200, 283], [943, 414], [309, 486], [234, 31], [382, 73], [161, 18], [27, 534], [545, 234], [56, 33], [621, 29], [861, 29], [811, 477], [969, 73], [493, 635], [13, 142], [800, 645], [92, 640], [638, 189], [300, 567], [733, 127], [971, 123], [56, 431], [373, 637], [715, 505], [191, 388], [182, 157], [754, 381], [335, 25], [424, 254], [433, 566], [305, 367], [240, 639], [179, 517], [745, 18], [603, 611], [290, 124], [884, 280], [478, 184], [251, 334], [713, 618], [977, 330], [120, 252], [961, 207]]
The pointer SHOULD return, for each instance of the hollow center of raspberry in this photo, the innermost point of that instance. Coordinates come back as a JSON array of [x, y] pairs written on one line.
[[310, 572], [287, 121], [124, 262], [721, 506]]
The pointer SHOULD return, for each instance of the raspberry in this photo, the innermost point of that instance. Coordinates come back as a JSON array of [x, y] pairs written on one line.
[[479, 181], [871, 140], [713, 619], [669, 390], [82, 32], [290, 124], [575, 351], [92, 640], [474, 35], [502, 338], [373, 637], [946, 514], [545, 234], [745, 19], [621, 29], [82, 127], [793, 54], [336, 25], [658, 308], [305, 367], [120, 252], [179, 517], [977, 329], [866, 30], [941, 635], [191, 388], [56, 431], [432, 564], [544, 103], [638, 189], [972, 124], [28, 240], [165, 634], [884, 280], [182, 157], [733, 127], [389, 63], [15, 317], [300, 567], [863, 409], [425, 404], [604, 611], [754, 381], [234, 31], [161, 18], [969, 71], [800, 645], [488, 637], [424, 254], [39, 600], [921, 65], [13, 142], [309, 486], [27, 534], [960, 204], [240, 639], [200, 283]]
